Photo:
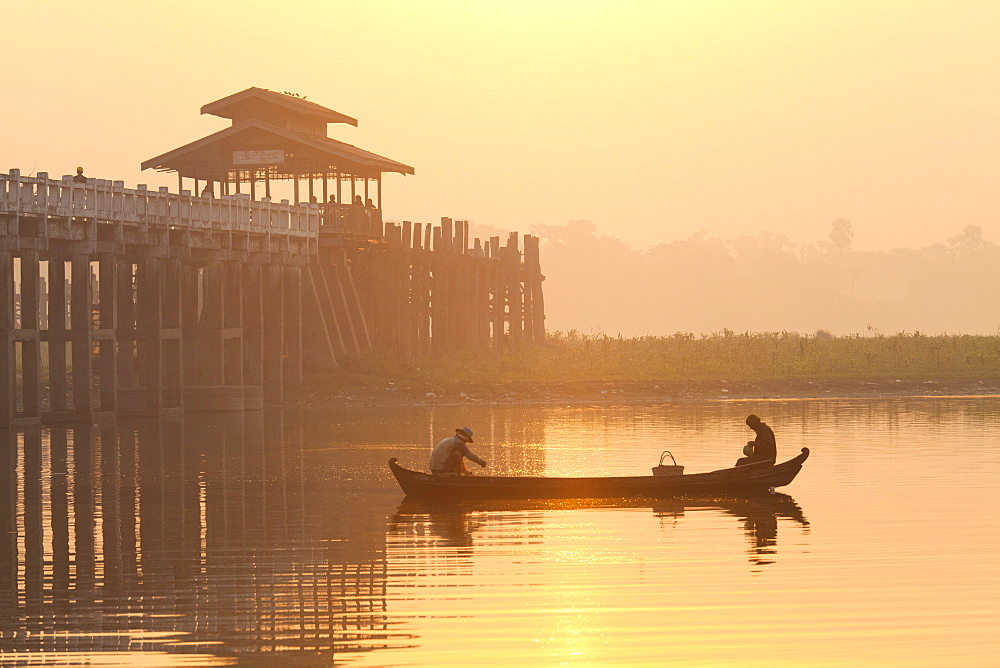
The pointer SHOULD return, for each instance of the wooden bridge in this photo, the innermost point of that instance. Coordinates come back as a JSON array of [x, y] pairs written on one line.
[[137, 301]]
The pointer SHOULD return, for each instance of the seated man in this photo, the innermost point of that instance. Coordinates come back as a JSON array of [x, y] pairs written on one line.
[[761, 449], [448, 456]]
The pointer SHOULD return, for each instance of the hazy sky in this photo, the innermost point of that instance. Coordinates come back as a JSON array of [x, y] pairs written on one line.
[[652, 119]]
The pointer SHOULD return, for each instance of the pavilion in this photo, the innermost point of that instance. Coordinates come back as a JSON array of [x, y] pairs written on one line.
[[277, 136]]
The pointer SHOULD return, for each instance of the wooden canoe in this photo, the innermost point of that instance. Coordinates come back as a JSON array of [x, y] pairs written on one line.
[[747, 480]]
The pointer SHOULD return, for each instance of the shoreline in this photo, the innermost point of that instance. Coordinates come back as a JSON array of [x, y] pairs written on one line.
[[369, 391]]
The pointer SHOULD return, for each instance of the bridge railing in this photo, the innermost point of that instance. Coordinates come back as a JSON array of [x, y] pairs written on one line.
[[110, 201], [352, 220]]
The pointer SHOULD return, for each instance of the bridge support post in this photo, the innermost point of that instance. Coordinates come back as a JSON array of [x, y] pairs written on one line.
[[107, 359], [274, 334], [172, 339], [82, 334], [125, 325], [293, 326], [232, 370], [190, 298], [57, 334], [210, 329], [7, 359], [31, 358], [150, 327], [253, 336]]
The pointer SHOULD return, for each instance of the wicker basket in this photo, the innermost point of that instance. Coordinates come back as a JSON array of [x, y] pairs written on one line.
[[667, 469]]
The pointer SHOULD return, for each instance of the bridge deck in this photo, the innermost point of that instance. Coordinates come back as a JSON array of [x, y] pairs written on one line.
[[104, 216]]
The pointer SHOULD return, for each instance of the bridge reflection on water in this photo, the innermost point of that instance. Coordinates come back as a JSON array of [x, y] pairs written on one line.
[[279, 537], [186, 536]]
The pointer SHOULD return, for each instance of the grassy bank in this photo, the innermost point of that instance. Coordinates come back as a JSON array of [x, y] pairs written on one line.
[[682, 365]]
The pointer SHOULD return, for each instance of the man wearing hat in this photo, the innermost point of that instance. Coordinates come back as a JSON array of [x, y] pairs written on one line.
[[761, 449], [448, 456]]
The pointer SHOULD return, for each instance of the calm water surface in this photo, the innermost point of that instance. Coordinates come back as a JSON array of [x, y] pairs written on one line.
[[281, 539]]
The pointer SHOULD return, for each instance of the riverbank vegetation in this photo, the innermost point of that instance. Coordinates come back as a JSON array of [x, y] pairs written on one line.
[[778, 360]]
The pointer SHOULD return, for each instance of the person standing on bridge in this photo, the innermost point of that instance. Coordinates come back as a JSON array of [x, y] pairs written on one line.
[[448, 456], [79, 178]]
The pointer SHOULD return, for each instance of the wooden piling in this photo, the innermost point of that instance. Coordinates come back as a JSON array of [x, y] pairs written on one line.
[[149, 328], [7, 357], [107, 357], [57, 334], [273, 334], [31, 358]]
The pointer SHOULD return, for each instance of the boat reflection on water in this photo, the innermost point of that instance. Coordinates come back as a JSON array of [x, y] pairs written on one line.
[[452, 524], [759, 516]]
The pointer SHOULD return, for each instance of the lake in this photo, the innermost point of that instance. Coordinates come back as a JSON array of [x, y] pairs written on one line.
[[280, 538]]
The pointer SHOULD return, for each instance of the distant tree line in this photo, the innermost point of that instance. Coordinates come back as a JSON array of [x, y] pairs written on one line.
[[765, 283]]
